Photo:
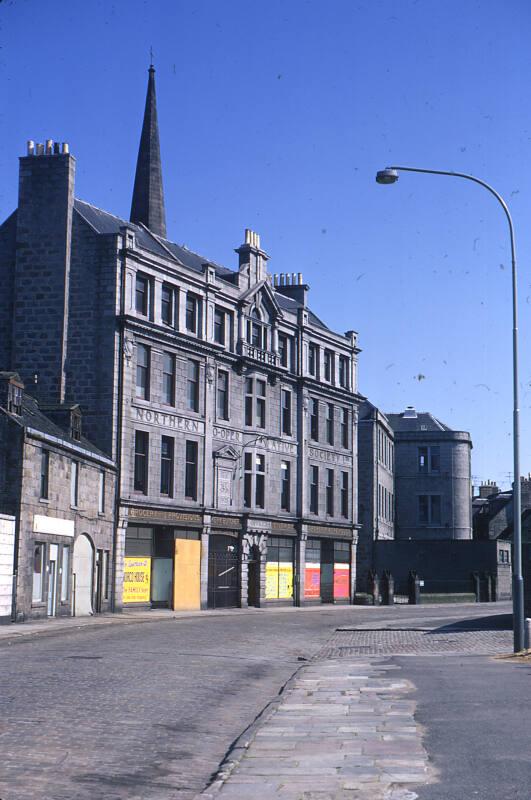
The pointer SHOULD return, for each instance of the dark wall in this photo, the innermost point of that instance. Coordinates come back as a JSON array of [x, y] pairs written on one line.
[[7, 271]]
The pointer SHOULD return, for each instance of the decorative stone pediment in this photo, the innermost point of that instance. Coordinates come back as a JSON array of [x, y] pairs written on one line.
[[261, 294], [227, 451]]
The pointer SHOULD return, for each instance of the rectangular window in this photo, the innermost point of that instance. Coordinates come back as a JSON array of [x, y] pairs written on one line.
[[142, 371], [219, 326], [260, 481], [286, 412], [193, 313], [142, 295], [435, 459], [429, 459], [344, 427], [65, 571], [260, 404], [74, 483], [285, 483], [343, 371], [38, 571], [329, 366], [330, 423], [45, 473], [223, 395], [429, 509], [193, 385], [314, 490], [330, 492], [141, 461], [423, 459], [284, 349], [344, 494], [101, 492], [249, 383], [248, 480], [313, 360], [168, 379], [314, 419], [190, 483], [166, 465], [168, 305]]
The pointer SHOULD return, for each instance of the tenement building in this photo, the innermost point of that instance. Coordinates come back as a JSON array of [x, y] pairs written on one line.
[[58, 490], [229, 407]]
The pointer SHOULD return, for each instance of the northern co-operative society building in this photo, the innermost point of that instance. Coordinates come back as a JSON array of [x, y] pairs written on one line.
[[228, 407]]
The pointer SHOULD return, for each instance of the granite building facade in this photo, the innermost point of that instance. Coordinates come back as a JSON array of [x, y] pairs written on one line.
[[229, 407]]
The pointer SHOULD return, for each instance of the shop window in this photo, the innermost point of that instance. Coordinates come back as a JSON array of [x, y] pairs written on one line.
[[285, 484], [312, 570], [330, 492], [279, 568], [45, 474], [286, 412], [190, 482], [141, 461], [166, 465], [65, 572], [138, 541], [330, 423], [314, 490], [344, 428], [314, 419], [168, 305], [193, 385], [101, 492], [74, 483], [143, 358], [168, 379], [223, 395], [193, 314], [344, 494], [38, 571], [313, 360], [142, 295]]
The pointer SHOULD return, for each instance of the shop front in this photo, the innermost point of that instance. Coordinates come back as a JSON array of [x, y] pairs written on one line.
[[224, 570], [162, 565], [327, 570], [280, 570]]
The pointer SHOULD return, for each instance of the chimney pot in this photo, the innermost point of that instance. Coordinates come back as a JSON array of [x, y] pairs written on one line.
[[65, 148], [299, 277], [40, 149], [56, 148], [49, 146], [31, 147], [282, 279]]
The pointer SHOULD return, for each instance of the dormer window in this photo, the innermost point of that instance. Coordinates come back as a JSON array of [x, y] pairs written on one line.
[[257, 330], [14, 399], [75, 426]]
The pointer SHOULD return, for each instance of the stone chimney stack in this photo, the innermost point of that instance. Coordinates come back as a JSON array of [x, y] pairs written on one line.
[[253, 260], [42, 267], [487, 488], [291, 285]]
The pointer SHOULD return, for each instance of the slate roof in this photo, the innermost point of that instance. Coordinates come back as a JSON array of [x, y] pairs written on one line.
[[423, 422], [106, 223], [33, 417]]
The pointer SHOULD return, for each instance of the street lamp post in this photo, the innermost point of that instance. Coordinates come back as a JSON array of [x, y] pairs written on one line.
[[390, 175]]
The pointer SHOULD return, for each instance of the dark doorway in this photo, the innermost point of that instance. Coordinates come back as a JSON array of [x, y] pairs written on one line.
[[327, 571], [98, 596], [253, 577], [223, 572]]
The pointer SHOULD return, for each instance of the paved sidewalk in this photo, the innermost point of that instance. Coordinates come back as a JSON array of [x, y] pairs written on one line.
[[342, 729]]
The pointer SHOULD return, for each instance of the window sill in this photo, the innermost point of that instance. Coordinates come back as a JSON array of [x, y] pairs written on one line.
[[44, 500]]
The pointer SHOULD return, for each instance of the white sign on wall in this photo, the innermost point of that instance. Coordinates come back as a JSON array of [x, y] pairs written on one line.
[[7, 555], [54, 525]]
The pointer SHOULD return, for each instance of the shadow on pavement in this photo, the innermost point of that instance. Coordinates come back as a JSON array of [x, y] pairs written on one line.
[[496, 622]]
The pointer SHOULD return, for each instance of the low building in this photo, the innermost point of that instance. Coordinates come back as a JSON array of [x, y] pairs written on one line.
[[432, 478], [59, 491]]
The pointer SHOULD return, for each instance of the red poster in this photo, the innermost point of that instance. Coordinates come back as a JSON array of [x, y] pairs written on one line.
[[341, 581], [312, 581]]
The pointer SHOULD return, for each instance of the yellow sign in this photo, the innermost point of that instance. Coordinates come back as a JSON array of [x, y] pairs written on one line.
[[279, 581], [137, 580]]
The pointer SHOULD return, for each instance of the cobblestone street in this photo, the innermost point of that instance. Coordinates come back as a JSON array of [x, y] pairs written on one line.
[[149, 710]]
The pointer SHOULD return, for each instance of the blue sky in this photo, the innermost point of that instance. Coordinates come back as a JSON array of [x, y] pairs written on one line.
[[275, 116]]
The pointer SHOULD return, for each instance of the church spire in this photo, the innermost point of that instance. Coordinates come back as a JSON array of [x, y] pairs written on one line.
[[148, 195]]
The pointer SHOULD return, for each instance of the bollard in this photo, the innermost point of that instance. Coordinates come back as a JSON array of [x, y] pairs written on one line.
[[486, 579], [477, 586], [413, 588], [493, 588], [388, 589], [374, 587], [527, 634]]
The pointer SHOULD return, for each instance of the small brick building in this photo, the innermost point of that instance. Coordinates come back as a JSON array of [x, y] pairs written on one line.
[[60, 490]]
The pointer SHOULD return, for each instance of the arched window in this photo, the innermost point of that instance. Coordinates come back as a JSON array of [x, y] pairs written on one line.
[[256, 329]]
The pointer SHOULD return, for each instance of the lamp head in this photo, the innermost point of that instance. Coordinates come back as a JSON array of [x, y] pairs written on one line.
[[387, 175]]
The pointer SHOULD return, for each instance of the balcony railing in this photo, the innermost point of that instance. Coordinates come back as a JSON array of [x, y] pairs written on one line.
[[257, 354]]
